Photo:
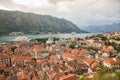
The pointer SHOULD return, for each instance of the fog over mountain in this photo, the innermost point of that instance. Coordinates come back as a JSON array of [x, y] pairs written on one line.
[[102, 28]]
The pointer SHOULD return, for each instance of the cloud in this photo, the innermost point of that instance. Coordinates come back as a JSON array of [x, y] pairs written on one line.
[[81, 12], [89, 12], [7, 3], [57, 1]]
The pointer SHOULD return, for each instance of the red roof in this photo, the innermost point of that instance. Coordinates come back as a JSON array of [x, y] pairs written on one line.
[[69, 55], [2, 65], [69, 77], [82, 52], [89, 61], [4, 56], [23, 75], [20, 58], [111, 61]]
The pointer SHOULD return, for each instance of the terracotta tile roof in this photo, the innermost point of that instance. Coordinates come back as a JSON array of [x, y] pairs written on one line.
[[89, 61], [6, 69], [82, 52], [20, 58], [4, 56], [76, 65], [29, 51], [58, 75], [2, 65], [31, 62], [69, 55], [69, 77], [75, 51], [38, 48], [35, 75], [81, 62], [50, 62], [111, 61], [108, 49], [56, 69], [39, 61], [63, 68], [11, 78], [20, 51], [39, 57], [94, 64], [20, 65], [95, 69], [51, 73], [23, 75], [41, 74], [53, 57], [3, 78], [67, 50]]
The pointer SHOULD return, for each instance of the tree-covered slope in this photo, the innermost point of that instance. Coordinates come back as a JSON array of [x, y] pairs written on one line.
[[11, 21]]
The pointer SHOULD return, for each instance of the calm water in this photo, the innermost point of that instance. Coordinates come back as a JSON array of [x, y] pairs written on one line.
[[7, 39]]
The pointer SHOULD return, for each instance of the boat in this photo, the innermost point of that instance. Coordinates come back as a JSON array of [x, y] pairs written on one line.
[[73, 33], [20, 38]]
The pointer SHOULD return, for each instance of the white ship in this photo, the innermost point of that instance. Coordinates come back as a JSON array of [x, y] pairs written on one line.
[[73, 33], [20, 38]]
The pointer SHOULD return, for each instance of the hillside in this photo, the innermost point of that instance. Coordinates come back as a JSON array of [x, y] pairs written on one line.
[[29, 23]]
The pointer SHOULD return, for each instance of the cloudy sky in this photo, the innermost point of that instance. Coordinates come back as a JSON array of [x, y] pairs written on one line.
[[80, 12]]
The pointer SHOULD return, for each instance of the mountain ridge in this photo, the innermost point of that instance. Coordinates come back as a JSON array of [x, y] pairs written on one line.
[[115, 27], [31, 23]]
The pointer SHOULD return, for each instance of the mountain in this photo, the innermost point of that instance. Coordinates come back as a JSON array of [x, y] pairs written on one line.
[[29, 23], [103, 28]]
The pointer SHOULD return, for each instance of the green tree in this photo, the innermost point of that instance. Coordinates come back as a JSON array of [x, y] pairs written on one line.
[[92, 48], [13, 48], [118, 75], [72, 45]]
